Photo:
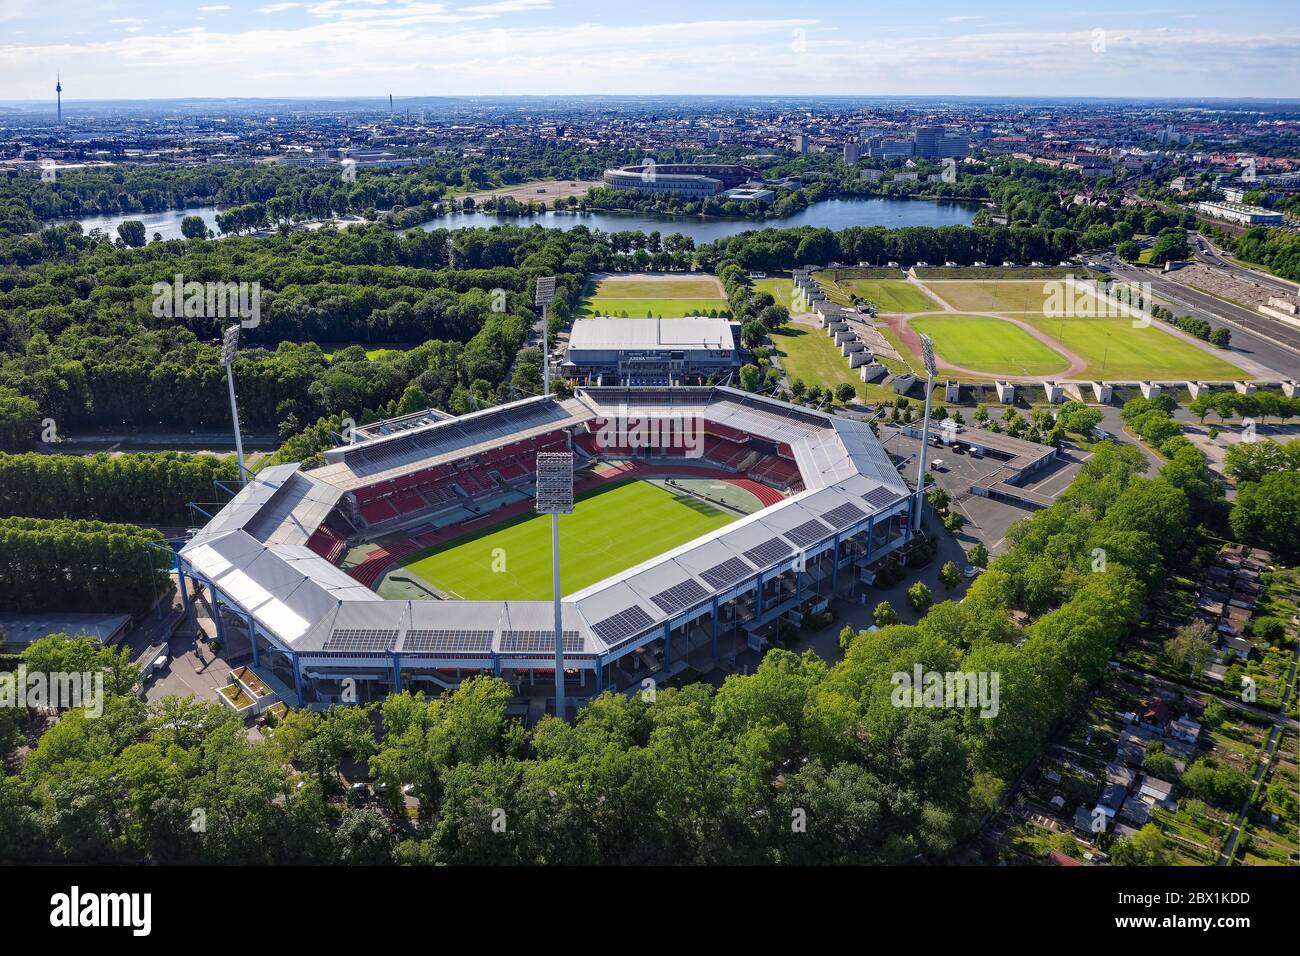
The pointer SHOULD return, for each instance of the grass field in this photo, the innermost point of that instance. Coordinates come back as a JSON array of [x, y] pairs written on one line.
[[991, 296], [807, 354], [780, 288], [989, 345], [891, 295], [683, 287], [1114, 349], [609, 530], [657, 308]]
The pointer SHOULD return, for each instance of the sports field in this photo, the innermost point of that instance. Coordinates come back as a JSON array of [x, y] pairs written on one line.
[[643, 296], [652, 308], [780, 288], [611, 529], [891, 295], [1114, 349], [984, 344], [988, 296], [807, 354]]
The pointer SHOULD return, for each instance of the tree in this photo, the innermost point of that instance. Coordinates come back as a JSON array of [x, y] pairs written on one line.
[[132, 233], [1267, 513], [751, 378], [845, 392], [193, 227], [978, 556], [919, 597], [1144, 848], [950, 575], [884, 614], [1192, 646]]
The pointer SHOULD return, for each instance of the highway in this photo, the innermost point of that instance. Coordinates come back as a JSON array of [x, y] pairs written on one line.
[[1267, 341]]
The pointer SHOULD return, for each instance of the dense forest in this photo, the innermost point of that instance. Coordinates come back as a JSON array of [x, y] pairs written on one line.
[[692, 775]]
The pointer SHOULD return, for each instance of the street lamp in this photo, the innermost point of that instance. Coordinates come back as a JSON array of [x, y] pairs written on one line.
[[229, 346], [927, 353], [545, 295], [555, 497]]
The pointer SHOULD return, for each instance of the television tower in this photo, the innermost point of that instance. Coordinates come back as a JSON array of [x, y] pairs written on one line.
[[58, 93]]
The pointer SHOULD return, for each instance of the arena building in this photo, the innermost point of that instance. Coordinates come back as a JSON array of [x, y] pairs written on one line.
[[650, 351], [276, 565], [691, 180]]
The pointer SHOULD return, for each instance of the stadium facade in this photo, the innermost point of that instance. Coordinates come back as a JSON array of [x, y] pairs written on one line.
[[691, 180], [267, 564], [650, 351]]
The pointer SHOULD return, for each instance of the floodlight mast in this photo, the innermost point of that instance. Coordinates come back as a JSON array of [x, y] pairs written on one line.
[[927, 353], [555, 497], [229, 346], [545, 295]]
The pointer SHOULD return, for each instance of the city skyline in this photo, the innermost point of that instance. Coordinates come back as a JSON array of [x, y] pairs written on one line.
[[356, 48]]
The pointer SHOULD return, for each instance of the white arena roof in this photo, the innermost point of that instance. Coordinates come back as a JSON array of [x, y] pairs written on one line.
[[253, 548], [608, 335]]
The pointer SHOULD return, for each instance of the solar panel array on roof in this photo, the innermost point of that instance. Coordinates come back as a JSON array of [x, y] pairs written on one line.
[[679, 597], [538, 642], [845, 515], [807, 533], [880, 497], [729, 571], [627, 623], [769, 552], [360, 639], [460, 642]]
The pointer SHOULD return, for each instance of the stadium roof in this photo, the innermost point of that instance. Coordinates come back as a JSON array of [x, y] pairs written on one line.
[[695, 332], [252, 550]]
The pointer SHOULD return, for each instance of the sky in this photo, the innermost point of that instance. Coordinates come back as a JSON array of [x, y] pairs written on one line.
[[146, 49]]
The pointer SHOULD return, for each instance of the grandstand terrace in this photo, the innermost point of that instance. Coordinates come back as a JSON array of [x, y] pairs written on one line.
[[829, 504]]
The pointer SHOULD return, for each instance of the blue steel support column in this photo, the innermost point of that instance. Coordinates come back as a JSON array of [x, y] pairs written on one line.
[[668, 643], [180, 579], [871, 534], [397, 673], [496, 666], [600, 676], [835, 563], [758, 597], [252, 640], [798, 584], [216, 616], [713, 638], [297, 679]]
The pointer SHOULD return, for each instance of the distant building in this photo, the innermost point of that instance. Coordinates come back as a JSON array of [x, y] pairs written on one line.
[[1240, 212], [891, 148], [650, 351], [750, 194], [692, 180], [852, 153]]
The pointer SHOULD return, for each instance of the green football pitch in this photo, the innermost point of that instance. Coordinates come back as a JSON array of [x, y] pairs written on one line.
[[610, 530], [993, 346]]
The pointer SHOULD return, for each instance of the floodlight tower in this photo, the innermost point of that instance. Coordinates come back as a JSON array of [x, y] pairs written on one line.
[[229, 346], [544, 297], [927, 353], [555, 497]]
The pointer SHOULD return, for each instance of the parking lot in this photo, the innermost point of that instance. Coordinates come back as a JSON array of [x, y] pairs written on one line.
[[987, 519]]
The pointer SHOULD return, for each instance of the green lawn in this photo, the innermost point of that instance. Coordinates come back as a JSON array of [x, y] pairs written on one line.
[[891, 295], [993, 296], [809, 354], [1114, 349], [780, 288], [989, 345], [657, 308], [676, 287], [609, 530]]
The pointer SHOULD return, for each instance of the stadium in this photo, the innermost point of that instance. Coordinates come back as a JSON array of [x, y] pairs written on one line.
[[693, 180], [412, 559]]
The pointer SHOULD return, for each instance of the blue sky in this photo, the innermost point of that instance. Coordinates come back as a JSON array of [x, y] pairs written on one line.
[[147, 48]]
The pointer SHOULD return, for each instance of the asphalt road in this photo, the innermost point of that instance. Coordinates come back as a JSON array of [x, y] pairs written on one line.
[[1267, 341]]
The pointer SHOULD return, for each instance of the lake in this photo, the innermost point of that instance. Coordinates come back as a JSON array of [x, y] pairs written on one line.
[[829, 213], [168, 223]]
